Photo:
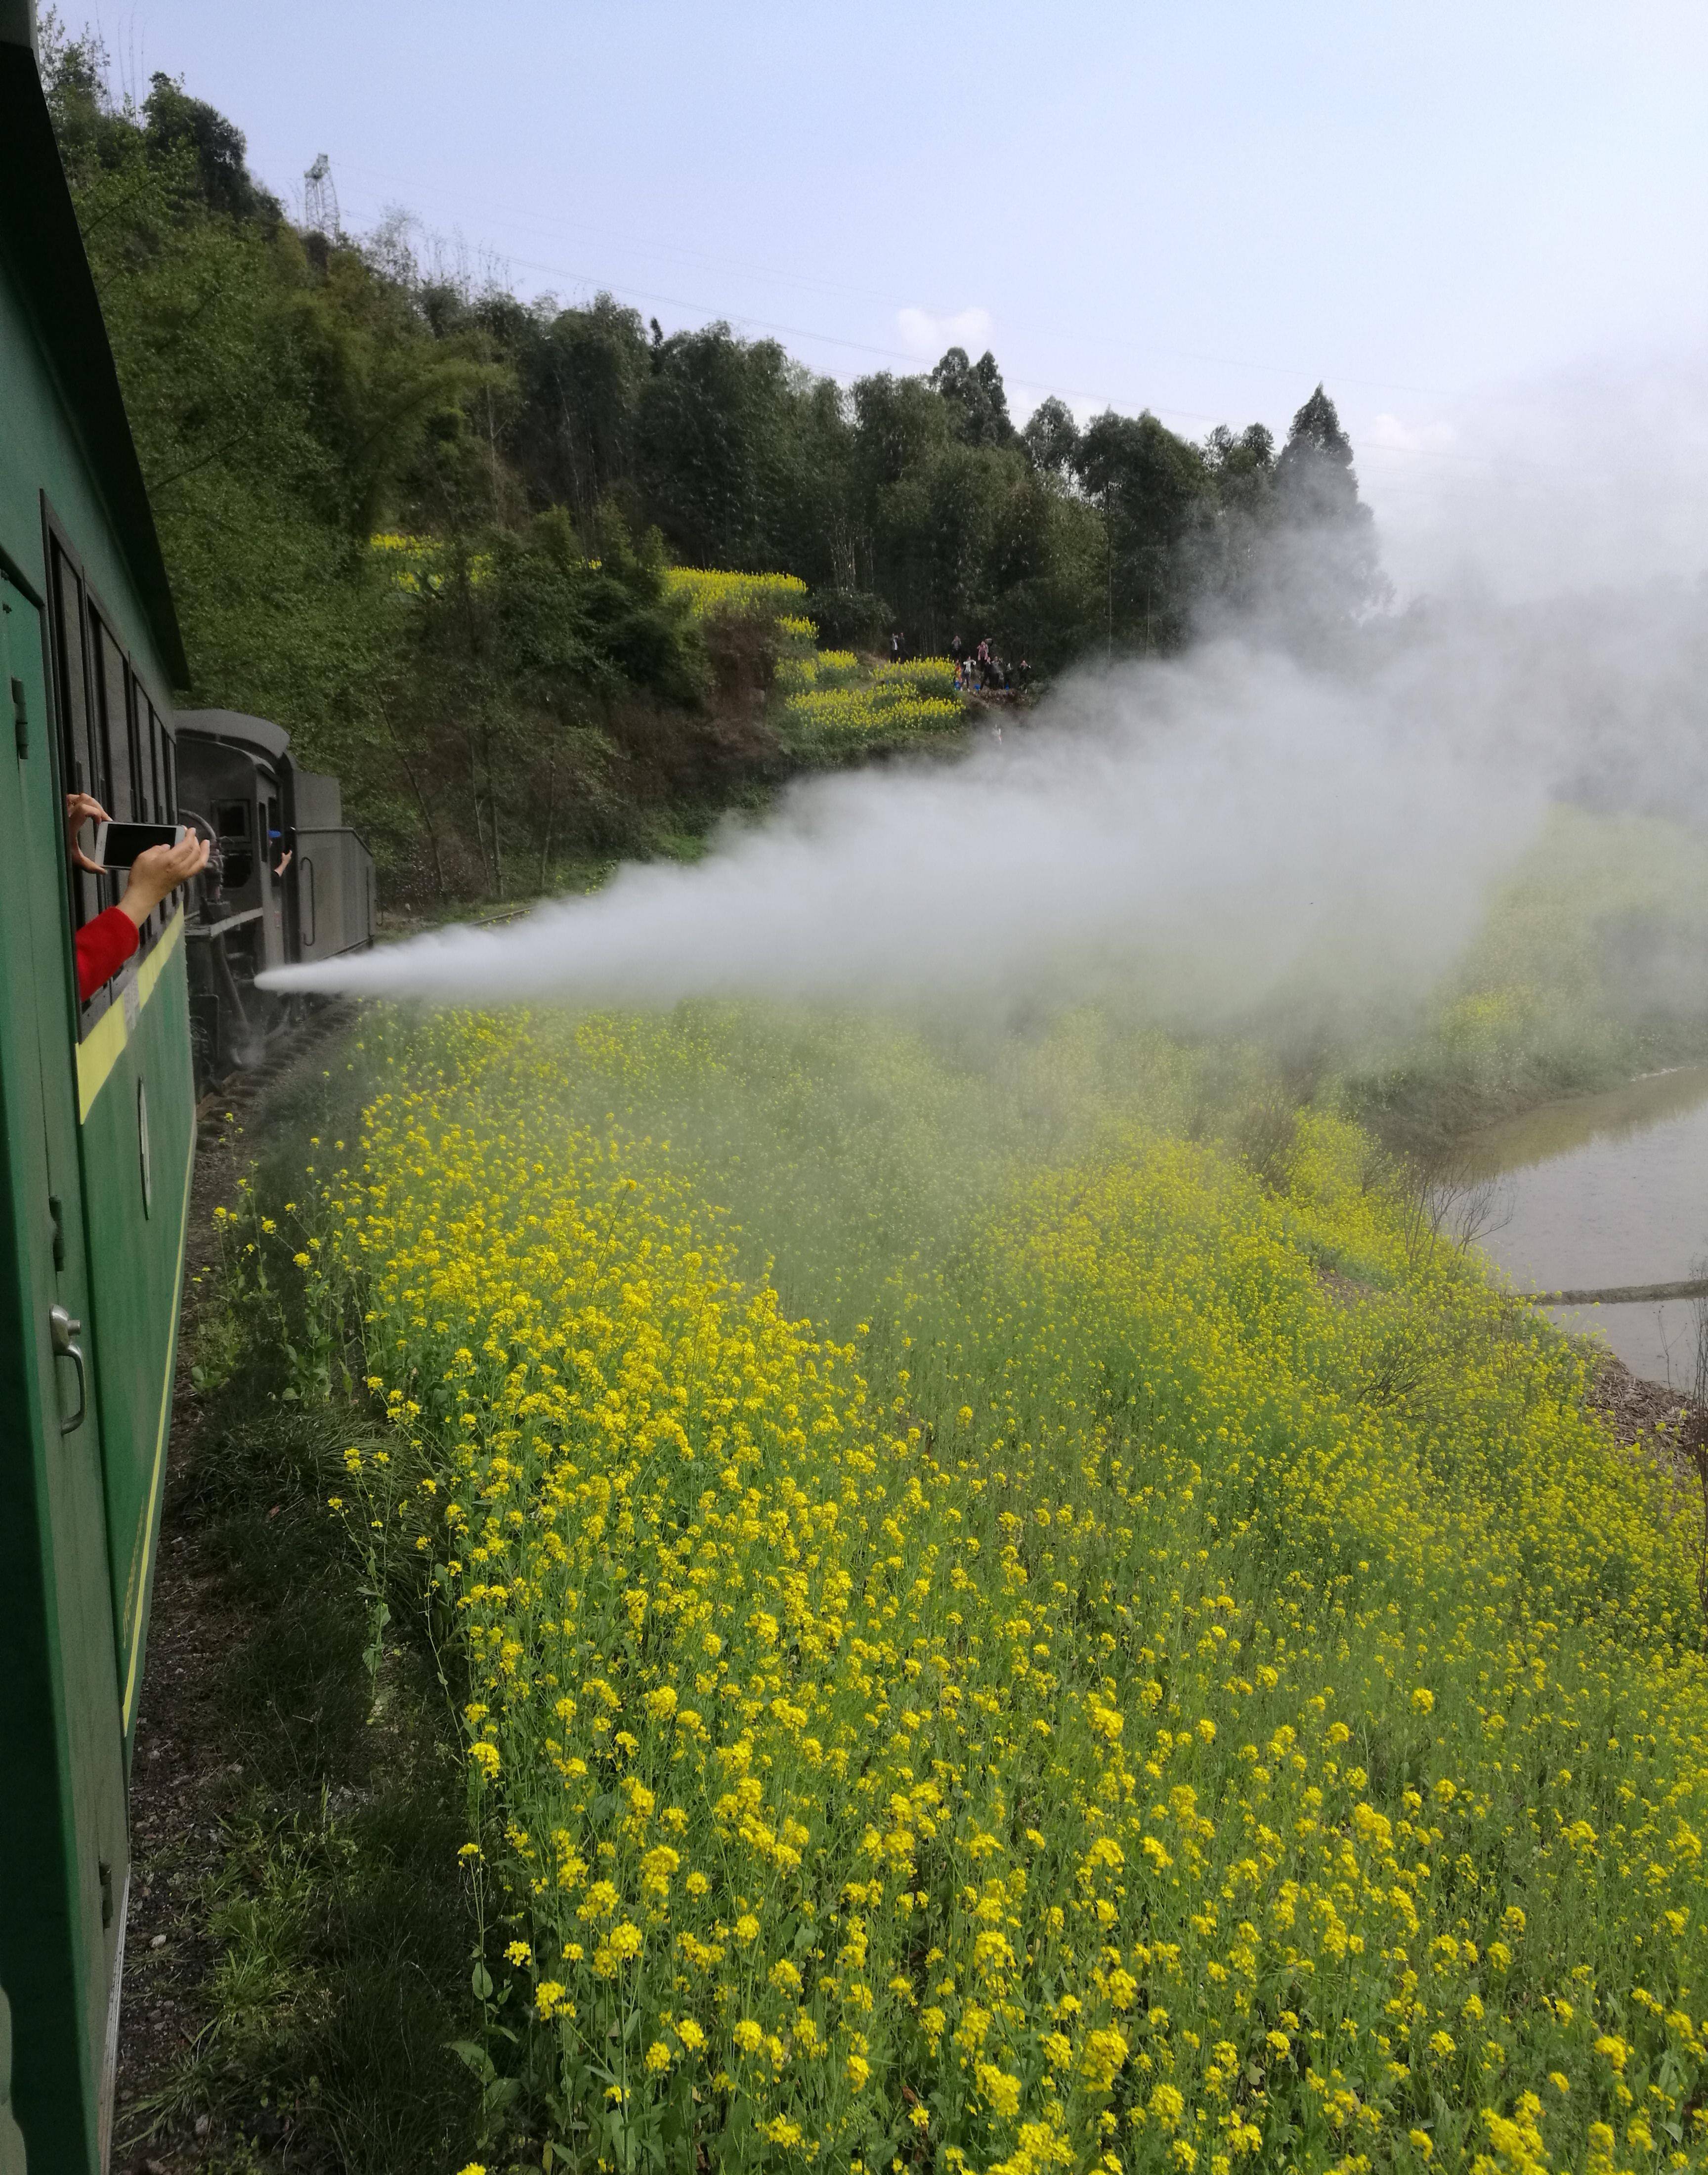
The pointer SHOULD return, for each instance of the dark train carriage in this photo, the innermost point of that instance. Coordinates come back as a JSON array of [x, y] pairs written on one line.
[[291, 880], [96, 1139]]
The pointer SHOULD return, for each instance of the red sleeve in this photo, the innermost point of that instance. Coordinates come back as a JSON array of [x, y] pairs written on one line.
[[103, 946]]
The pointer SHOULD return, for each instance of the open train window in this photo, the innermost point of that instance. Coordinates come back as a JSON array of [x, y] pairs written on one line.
[[111, 740], [231, 820], [81, 765]]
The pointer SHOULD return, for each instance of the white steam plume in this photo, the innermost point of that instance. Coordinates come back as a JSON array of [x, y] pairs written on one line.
[[1209, 834]]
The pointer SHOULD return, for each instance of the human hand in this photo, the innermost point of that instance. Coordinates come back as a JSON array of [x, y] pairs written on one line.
[[284, 863], [160, 871], [81, 808]]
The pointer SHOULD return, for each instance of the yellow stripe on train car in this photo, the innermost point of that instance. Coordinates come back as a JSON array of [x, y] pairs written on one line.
[[101, 1048]]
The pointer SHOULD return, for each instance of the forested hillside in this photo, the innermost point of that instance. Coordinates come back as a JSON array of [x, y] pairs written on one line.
[[296, 395]]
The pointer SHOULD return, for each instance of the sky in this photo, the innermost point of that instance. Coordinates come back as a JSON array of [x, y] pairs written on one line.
[[1484, 228]]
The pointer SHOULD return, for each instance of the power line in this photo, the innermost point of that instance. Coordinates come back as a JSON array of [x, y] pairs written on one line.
[[751, 269], [746, 322]]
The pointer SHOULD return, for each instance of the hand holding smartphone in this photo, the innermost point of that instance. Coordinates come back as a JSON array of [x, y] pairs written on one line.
[[116, 845]]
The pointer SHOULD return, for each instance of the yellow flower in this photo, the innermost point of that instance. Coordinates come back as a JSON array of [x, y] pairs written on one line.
[[1000, 2092], [752, 1615]]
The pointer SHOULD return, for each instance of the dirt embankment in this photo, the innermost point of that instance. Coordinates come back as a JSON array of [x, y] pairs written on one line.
[[1673, 1427]]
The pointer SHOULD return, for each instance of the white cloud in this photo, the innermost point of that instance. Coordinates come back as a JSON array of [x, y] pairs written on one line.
[[927, 335]]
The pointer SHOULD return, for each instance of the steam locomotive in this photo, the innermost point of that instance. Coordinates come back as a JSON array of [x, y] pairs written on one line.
[[98, 1115]]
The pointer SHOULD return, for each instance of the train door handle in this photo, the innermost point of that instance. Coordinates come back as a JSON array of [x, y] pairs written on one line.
[[66, 1328]]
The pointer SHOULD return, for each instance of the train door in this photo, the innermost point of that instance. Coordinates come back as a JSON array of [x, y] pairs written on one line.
[[62, 1835]]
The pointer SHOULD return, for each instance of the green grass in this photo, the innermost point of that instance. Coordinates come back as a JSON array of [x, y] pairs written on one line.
[[340, 1928]]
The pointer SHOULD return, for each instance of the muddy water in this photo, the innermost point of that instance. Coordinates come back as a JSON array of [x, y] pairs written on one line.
[[1608, 1190]]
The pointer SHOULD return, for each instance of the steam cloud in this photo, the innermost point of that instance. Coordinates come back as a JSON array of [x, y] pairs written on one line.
[[1212, 831], [1233, 831]]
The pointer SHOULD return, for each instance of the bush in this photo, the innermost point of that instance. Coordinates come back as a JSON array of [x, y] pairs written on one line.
[[851, 619]]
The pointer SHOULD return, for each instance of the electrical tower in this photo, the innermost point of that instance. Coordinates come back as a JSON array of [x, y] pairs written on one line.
[[320, 198]]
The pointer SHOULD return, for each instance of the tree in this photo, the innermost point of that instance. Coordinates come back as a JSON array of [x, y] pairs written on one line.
[[973, 393], [711, 430], [1314, 479], [1051, 438], [174, 120], [1148, 484], [1226, 552], [1324, 567], [899, 423], [582, 375]]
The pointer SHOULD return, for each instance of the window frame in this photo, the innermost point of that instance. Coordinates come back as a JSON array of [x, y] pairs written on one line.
[[148, 741]]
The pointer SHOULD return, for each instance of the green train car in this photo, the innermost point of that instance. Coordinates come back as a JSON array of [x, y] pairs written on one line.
[[97, 1114]]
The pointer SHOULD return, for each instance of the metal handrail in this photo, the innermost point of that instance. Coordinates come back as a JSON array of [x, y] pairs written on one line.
[[209, 930]]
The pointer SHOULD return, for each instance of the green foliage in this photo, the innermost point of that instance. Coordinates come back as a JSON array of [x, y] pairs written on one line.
[[977, 400], [291, 394]]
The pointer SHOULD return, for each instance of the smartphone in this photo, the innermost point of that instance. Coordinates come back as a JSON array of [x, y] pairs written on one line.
[[116, 845]]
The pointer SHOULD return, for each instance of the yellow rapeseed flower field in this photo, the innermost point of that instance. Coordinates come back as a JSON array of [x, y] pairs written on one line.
[[709, 591], [1125, 1666], [922, 675]]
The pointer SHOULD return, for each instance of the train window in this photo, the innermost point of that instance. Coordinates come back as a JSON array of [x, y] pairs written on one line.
[[110, 691], [112, 704], [158, 812], [137, 711], [144, 733], [231, 817], [147, 798], [169, 775], [81, 749]]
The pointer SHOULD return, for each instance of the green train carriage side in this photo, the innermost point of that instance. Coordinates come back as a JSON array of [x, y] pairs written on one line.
[[96, 1142]]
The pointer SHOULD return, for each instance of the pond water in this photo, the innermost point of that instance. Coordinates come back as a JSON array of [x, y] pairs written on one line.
[[1608, 1190]]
